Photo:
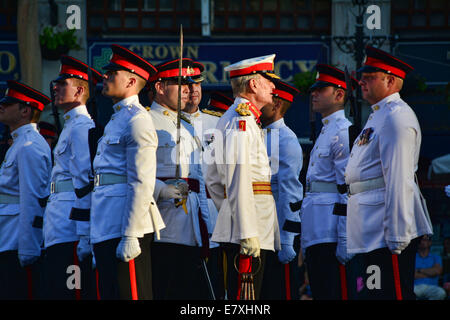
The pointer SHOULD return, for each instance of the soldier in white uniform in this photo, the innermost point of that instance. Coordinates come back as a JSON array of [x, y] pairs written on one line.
[[24, 187], [323, 218], [66, 220], [239, 178], [124, 214], [204, 122], [286, 159], [177, 255], [386, 214]]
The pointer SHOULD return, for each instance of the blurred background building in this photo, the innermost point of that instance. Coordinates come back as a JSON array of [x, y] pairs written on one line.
[[302, 33]]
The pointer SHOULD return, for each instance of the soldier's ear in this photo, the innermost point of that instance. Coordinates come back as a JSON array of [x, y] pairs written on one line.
[[340, 94], [390, 80], [131, 82], [159, 87], [80, 91], [252, 85]]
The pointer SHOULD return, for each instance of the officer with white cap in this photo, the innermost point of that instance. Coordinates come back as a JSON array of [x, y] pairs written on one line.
[[386, 213], [239, 178]]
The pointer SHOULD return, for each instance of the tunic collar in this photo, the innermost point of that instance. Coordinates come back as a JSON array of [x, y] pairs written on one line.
[[73, 113], [333, 117], [125, 103], [380, 104], [21, 130]]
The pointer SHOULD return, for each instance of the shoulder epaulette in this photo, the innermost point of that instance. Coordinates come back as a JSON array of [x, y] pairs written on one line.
[[212, 113], [243, 109]]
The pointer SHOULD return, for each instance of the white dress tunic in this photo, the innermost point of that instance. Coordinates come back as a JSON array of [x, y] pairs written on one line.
[[25, 177], [73, 164], [181, 228], [395, 214], [127, 148], [241, 161], [327, 163]]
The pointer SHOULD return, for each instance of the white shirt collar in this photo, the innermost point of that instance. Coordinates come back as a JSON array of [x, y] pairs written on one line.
[[26, 127], [125, 102], [71, 114], [193, 115], [276, 124], [333, 117], [380, 104]]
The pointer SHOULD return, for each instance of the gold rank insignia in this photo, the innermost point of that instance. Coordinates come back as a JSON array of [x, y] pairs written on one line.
[[212, 113], [189, 71], [147, 108], [243, 109]]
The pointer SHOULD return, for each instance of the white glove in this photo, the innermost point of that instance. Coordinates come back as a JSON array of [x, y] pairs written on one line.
[[84, 248], [26, 260], [128, 248], [174, 189], [341, 251], [286, 254], [447, 190], [397, 247], [250, 247]]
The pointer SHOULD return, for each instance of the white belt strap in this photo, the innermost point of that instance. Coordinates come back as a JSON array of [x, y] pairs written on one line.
[[9, 199], [366, 185], [320, 186], [109, 178], [61, 186]]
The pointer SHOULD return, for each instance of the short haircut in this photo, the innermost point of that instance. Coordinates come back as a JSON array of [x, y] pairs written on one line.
[[239, 84], [82, 83], [284, 105], [345, 93], [35, 113], [140, 82]]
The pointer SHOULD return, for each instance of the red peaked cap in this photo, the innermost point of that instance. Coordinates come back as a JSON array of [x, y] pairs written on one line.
[[191, 71], [331, 76], [378, 60], [219, 102], [124, 59], [73, 68], [284, 91], [47, 130], [20, 93]]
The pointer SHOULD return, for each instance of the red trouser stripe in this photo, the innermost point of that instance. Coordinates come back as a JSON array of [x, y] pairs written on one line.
[[287, 280], [75, 262], [398, 288], [343, 282], [134, 294], [29, 282], [96, 284]]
